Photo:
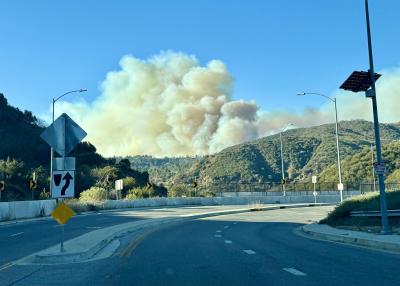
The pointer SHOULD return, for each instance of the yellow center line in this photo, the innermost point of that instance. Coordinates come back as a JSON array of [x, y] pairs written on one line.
[[134, 244]]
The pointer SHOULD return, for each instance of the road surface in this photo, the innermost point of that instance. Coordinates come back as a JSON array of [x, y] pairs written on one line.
[[256, 248]]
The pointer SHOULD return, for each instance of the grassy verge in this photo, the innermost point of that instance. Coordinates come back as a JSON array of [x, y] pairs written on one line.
[[340, 216]]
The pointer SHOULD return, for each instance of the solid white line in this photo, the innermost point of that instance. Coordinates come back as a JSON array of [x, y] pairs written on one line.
[[249, 251], [294, 271], [228, 241], [218, 235], [16, 234], [93, 227]]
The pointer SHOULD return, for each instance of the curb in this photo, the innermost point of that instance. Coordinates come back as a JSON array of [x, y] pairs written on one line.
[[50, 255], [353, 240]]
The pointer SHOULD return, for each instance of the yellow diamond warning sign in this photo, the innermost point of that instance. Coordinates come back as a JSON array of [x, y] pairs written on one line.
[[62, 213]]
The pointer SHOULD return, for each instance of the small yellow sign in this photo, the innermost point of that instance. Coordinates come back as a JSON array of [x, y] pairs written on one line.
[[32, 184], [62, 213]]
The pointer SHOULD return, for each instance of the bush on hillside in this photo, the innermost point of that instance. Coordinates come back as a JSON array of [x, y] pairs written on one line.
[[140, 193], [365, 202], [94, 194]]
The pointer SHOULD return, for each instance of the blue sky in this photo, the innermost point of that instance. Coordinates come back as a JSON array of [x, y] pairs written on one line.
[[272, 48]]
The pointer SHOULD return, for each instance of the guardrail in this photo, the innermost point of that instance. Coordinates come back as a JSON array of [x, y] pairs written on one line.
[[394, 213]]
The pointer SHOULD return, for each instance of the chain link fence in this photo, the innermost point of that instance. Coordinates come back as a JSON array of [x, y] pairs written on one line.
[[293, 188]]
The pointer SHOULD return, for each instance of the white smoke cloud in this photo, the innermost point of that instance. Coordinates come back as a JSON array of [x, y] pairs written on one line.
[[169, 105]]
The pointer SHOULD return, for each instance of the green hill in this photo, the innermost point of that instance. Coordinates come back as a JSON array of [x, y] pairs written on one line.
[[23, 152], [161, 169], [307, 151]]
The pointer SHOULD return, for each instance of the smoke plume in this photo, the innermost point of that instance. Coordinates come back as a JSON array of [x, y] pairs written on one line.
[[169, 105]]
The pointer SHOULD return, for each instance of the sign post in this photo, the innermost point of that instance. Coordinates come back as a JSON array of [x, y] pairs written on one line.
[[62, 213], [314, 181], [63, 135]]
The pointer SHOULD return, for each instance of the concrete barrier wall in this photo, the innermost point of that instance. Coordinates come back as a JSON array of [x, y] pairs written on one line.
[[32, 209], [25, 209]]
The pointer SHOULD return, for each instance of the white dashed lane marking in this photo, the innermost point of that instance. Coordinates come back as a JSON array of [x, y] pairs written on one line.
[[217, 231], [294, 271], [218, 235], [226, 226], [228, 241], [16, 234], [249, 251]]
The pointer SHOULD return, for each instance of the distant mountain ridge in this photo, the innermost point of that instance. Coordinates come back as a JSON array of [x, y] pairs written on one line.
[[306, 151]]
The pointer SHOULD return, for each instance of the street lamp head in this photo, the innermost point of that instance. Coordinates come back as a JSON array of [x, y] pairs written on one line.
[[82, 90], [301, 93]]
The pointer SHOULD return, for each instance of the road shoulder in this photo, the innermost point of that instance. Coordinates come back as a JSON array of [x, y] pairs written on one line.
[[370, 240]]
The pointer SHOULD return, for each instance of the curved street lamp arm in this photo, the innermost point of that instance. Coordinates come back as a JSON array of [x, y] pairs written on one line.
[[320, 94], [72, 91]]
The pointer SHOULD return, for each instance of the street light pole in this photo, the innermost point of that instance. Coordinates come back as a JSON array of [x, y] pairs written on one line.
[[337, 139], [282, 163], [338, 153], [52, 150], [381, 177]]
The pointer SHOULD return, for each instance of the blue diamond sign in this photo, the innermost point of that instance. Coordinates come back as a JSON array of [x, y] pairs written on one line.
[[63, 135]]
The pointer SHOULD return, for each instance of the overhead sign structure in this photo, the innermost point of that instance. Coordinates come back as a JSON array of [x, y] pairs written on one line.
[[63, 184], [63, 135], [62, 213]]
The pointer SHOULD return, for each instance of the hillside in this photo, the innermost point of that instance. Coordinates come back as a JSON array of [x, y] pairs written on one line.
[[161, 169], [359, 166], [307, 151], [23, 152], [20, 136]]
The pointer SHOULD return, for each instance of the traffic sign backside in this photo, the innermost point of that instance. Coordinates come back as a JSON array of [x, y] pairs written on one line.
[[63, 135]]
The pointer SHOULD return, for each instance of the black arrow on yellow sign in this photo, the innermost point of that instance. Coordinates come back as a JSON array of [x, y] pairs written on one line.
[[32, 184], [2, 185]]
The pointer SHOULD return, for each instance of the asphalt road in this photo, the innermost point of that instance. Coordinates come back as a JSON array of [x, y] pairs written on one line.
[[20, 239], [257, 248]]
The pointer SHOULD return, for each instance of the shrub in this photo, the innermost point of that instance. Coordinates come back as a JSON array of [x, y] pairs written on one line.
[[137, 193], [179, 191], [364, 202], [94, 194], [129, 183]]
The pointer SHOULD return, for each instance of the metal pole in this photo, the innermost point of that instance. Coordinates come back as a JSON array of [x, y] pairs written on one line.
[[315, 195], [62, 239], [338, 151], [381, 177], [283, 168], [51, 161], [372, 166]]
